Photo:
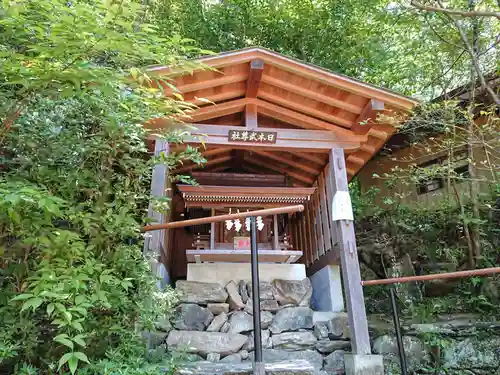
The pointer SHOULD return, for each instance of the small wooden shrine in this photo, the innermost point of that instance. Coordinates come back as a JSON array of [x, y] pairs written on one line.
[[275, 132], [225, 244]]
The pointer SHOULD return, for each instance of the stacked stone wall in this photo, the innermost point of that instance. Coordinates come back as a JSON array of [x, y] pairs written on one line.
[[213, 325], [461, 344]]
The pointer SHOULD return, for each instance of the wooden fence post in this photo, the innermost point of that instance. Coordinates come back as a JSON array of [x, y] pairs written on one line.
[[358, 324], [154, 241]]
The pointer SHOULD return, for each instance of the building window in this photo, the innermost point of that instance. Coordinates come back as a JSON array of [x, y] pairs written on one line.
[[430, 186]]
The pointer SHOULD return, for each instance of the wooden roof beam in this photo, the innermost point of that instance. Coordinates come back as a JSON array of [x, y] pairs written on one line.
[[254, 77], [266, 165], [214, 98], [304, 121], [215, 151], [368, 116], [215, 161], [356, 160], [311, 94], [335, 120], [312, 158], [291, 163], [217, 110], [209, 83], [251, 116]]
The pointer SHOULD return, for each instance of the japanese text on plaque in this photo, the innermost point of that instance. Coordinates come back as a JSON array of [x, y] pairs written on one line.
[[252, 136]]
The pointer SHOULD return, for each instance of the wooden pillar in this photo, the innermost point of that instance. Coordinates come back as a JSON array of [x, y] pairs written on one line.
[[358, 324], [275, 233], [154, 242], [212, 232]]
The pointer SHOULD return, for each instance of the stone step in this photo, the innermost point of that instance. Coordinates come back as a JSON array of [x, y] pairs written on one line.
[[296, 367]]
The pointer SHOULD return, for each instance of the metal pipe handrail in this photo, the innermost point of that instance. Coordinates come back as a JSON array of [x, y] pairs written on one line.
[[436, 276], [214, 219]]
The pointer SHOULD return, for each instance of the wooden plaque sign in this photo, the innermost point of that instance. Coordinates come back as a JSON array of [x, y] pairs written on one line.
[[241, 243], [249, 136]]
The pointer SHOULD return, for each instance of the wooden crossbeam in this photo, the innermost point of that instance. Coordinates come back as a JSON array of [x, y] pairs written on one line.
[[254, 78], [306, 140], [214, 98], [335, 120], [205, 84], [218, 110], [311, 94], [291, 163], [309, 157], [263, 164], [215, 151], [368, 116], [222, 167], [299, 119]]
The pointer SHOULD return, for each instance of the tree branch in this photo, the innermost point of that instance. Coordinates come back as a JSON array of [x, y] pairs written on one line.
[[455, 12], [473, 57]]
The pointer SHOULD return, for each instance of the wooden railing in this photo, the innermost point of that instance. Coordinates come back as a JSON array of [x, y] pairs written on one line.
[[316, 232]]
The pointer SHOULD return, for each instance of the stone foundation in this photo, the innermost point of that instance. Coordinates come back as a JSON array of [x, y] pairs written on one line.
[[214, 323], [461, 344]]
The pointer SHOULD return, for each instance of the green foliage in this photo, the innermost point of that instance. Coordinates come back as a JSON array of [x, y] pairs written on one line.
[[379, 41], [76, 291]]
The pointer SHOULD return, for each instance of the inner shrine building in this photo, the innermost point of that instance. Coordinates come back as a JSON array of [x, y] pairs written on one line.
[[275, 132]]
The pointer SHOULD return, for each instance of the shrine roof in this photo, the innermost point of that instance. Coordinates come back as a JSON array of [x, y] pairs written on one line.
[[243, 196], [256, 90]]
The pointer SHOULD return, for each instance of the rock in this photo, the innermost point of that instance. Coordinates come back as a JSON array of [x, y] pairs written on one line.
[[294, 340], [321, 330], [334, 363], [266, 319], [243, 354], [292, 292], [278, 355], [270, 305], [202, 293], [292, 319], [225, 328], [265, 305], [265, 338], [414, 348], [218, 308], [242, 288], [294, 367], [217, 323], [266, 290], [205, 342], [213, 357], [191, 317], [323, 316], [233, 358], [240, 322], [338, 326], [163, 324], [472, 353], [235, 302], [327, 346], [155, 338]]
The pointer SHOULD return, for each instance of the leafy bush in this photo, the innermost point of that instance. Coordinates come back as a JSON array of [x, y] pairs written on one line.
[[76, 291]]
